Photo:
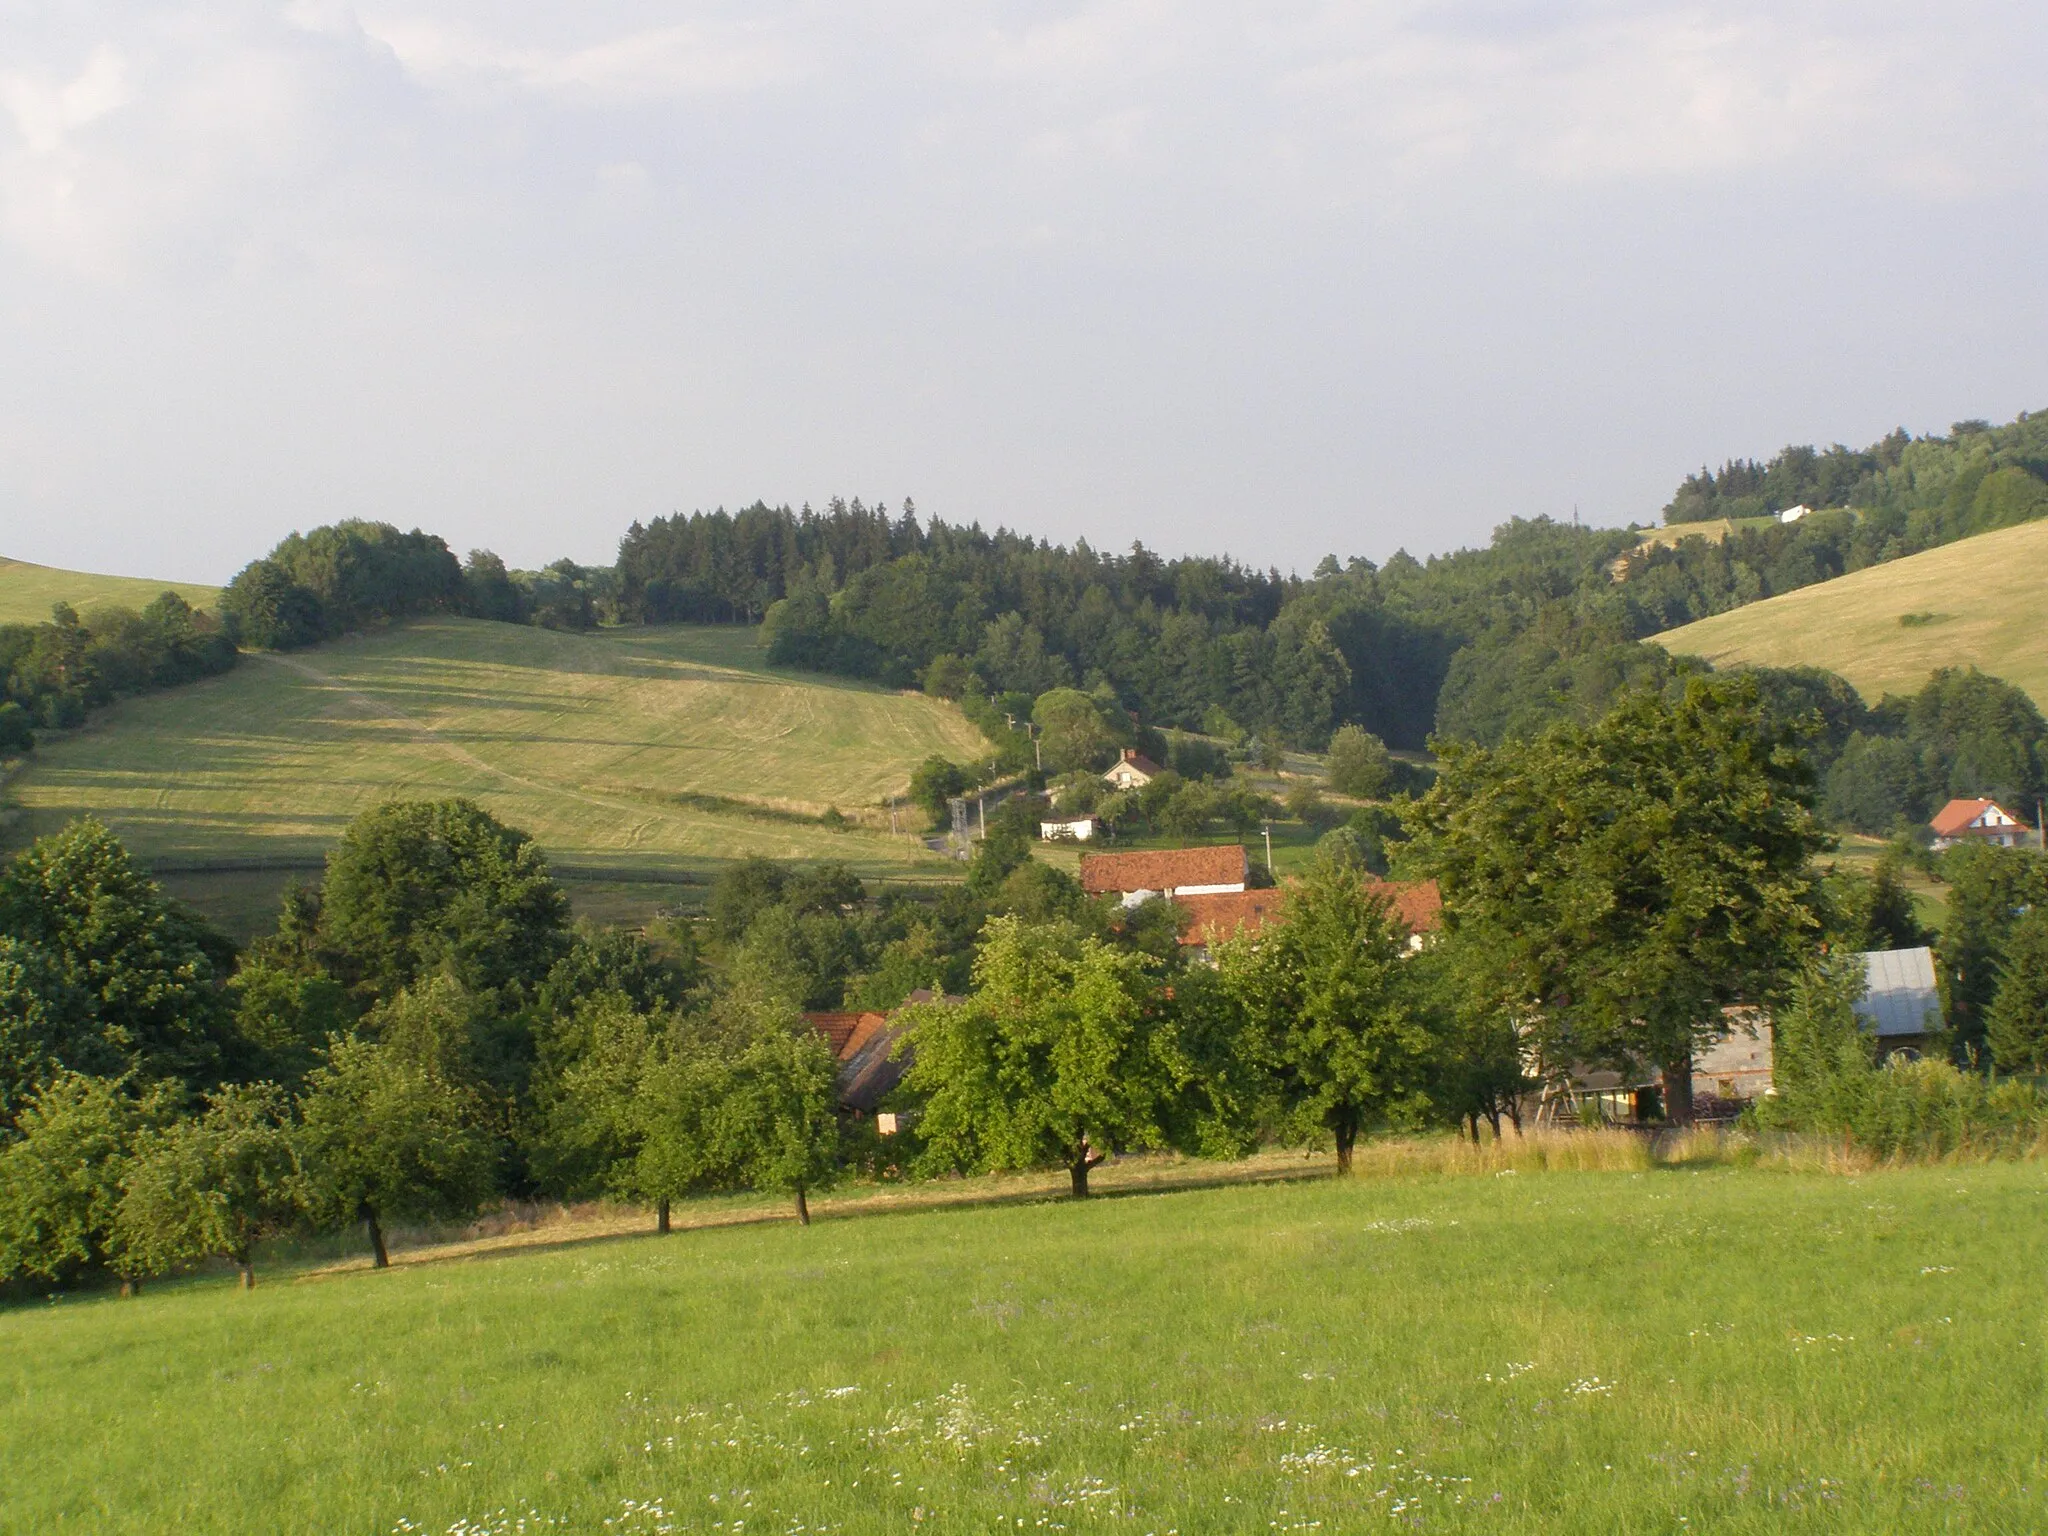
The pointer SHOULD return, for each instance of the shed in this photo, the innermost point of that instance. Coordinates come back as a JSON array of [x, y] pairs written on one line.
[[1903, 1002]]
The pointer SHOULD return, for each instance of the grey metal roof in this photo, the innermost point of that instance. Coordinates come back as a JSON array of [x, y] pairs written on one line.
[[1903, 999]]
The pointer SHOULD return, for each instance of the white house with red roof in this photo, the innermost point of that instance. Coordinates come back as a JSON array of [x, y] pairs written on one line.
[[1978, 821]]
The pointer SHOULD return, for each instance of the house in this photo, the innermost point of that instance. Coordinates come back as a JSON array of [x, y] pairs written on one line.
[[1983, 821], [1417, 905], [1133, 770], [864, 1045], [1080, 829], [1793, 514], [1169, 872], [1903, 1003]]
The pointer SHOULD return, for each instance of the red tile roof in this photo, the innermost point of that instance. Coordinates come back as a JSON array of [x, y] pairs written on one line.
[[1419, 904], [845, 1032], [1212, 919], [1166, 869], [1956, 816], [1137, 760]]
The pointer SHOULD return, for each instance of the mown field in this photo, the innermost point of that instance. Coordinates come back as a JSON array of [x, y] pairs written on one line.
[[1718, 1349], [28, 592], [623, 752], [1981, 600]]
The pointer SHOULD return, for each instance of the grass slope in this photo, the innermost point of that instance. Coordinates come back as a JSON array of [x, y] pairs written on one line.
[[1987, 597], [1665, 1351], [631, 750], [28, 592]]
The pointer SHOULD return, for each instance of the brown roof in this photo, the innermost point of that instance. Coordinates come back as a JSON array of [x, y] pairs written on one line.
[[1957, 815], [1212, 919], [1166, 869], [845, 1032], [1137, 760], [1419, 904]]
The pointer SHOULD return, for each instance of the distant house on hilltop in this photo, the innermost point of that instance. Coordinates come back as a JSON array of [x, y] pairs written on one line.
[[1169, 872], [1133, 770], [1981, 821], [1794, 514]]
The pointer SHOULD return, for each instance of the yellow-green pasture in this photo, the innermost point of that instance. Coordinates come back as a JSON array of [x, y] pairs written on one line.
[[1981, 601], [28, 592], [623, 752]]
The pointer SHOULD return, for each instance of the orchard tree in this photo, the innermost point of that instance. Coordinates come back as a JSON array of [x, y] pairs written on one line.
[[212, 1186], [670, 1119], [1061, 1055], [1331, 1014], [418, 886], [385, 1138], [1628, 880], [46, 1027], [2018, 1026], [777, 1118], [60, 1182]]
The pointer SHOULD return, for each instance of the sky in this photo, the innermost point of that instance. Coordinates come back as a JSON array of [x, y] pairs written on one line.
[[1272, 280]]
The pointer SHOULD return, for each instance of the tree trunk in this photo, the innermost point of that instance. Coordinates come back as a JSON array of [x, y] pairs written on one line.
[[1515, 1114], [1077, 1173], [245, 1265], [381, 1259], [1347, 1138], [1493, 1119], [803, 1206], [1678, 1091], [131, 1287], [661, 1217]]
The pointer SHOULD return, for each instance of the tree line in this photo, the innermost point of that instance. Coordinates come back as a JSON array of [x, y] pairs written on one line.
[[52, 674], [428, 1031]]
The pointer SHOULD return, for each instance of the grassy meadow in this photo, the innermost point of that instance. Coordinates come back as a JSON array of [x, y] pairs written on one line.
[[28, 592], [1669, 1349], [625, 753], [1980, 600]]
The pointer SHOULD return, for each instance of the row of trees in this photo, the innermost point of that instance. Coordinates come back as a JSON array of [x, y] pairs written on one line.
[[52, 674]]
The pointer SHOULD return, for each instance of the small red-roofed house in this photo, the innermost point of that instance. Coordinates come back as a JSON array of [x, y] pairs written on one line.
[[1978, 821], [1132, 770], [1168, 872]]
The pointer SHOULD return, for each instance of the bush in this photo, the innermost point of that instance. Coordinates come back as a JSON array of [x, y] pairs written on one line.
[[1359, 764]]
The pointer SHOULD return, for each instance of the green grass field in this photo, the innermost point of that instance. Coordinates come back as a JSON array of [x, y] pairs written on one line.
[[622, 752], [1718, 1349], [1981, 600], [28, 592]]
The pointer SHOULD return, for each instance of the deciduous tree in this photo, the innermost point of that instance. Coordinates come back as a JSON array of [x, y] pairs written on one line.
[[210, 1186]]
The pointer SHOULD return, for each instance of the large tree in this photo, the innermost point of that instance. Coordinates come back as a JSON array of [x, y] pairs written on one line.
[[2018, 1025], [1332, 1015], [416, 886], [1061, 1055], [386, 1138], [61, 1179], [1629, 880]]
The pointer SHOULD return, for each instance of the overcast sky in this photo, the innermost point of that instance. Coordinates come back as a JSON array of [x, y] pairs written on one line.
[[1274, 279]]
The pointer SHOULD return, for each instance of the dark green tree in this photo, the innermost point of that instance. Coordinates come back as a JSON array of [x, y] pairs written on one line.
[[2017, 1029], [416, 886], [1631, 879]]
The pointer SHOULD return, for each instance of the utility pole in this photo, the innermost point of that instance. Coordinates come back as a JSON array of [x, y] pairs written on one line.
[[981, 808], [1267, 828]]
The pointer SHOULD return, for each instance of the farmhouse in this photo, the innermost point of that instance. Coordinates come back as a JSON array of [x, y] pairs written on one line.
[[1169, 872], [1417, 905], [864, 1045], [1983, 821], [1133, 770]]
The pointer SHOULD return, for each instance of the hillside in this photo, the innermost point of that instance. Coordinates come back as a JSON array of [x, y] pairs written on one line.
[[1981, 601], [27, 592], [641, 751]]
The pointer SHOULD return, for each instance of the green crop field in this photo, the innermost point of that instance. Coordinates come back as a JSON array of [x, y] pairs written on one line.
[[1716, 1349], [623, 752], [28, 592], [1980, 600]]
